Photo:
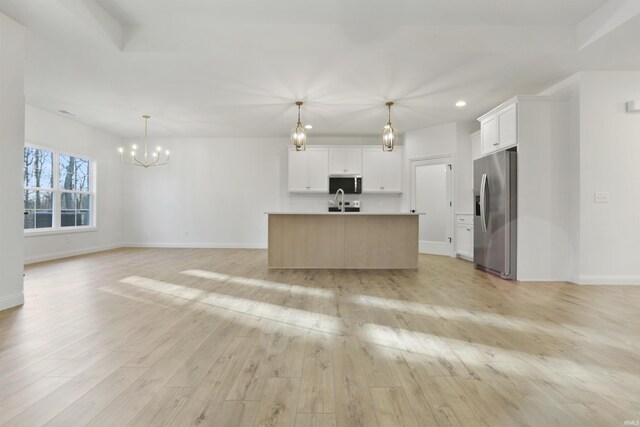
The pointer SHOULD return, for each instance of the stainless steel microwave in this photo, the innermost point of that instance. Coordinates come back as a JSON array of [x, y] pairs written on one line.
[[351, 184]]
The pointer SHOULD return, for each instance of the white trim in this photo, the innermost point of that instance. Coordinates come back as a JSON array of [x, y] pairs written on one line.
[[35, 232], [11, 301], [197, 245], [66, 254], [592, 279]]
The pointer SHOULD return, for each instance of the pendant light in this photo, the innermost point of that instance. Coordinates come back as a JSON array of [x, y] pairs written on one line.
[[149, 159], [298, 135], [389, 134]]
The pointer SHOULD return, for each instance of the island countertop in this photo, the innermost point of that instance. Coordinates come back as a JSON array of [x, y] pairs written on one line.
[[343, 213]]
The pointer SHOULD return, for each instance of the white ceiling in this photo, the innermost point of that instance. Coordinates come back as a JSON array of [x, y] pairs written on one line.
[[206, 68]]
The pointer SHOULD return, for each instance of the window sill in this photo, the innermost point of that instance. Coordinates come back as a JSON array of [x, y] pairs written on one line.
[[49, 232]]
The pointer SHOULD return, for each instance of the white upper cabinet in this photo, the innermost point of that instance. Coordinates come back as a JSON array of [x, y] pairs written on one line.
[[309, 170], [318, 170], [298, 171], [345, 161], [371, 170], [354, 161], [508, 126], [381, 171], [392, 171], [489, 135], [499, 128]]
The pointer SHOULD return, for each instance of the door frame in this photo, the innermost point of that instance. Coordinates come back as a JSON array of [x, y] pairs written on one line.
[[448, 158]]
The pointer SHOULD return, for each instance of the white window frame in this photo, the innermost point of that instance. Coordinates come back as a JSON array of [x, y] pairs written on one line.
[[57, 195]]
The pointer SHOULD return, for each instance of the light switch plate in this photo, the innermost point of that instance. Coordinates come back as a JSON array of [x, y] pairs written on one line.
[[600, 197]]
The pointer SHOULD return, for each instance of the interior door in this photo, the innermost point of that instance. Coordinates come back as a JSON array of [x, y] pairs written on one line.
[[432, 183]]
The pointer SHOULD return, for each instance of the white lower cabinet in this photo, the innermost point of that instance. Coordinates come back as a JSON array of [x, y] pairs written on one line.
[[464, 236]]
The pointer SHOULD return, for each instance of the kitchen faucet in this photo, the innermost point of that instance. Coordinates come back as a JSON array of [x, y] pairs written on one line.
[[340, 191]]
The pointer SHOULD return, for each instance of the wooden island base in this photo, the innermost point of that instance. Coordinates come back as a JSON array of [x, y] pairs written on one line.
[[352, 241]]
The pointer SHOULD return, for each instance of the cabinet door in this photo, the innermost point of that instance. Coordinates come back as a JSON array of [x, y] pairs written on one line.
[[354, 161], [392, 171], [372, 169], [318, 170], [488, 135], [508, 126], [298, 176], [337, 161], [464, 240]]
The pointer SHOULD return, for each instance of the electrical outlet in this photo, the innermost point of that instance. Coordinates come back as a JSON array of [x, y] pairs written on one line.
[[600, 197]]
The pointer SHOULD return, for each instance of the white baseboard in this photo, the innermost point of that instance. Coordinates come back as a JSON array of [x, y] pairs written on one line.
[[11, 301], [70, 253], [197, 245], [608, 280]]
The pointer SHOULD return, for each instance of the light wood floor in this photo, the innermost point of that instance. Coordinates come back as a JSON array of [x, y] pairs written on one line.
[[211, 337]]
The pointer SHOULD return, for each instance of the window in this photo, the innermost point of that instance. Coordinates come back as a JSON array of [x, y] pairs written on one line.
[[58, 190], [38, 188]]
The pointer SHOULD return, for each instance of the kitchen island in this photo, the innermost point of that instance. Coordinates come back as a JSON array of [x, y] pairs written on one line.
[[353, 240]]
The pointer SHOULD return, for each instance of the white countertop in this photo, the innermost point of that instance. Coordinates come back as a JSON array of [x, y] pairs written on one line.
[[344, 213]]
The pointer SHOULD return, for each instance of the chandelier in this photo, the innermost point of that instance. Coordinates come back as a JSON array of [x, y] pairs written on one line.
[[389, 134], [149, 159], [298, 135]]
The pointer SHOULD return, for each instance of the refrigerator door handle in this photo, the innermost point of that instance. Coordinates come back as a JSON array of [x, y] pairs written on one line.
[[483, 202]]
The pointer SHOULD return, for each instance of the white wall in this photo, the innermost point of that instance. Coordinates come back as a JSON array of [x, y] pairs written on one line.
[[464, 163], [11, 157], [59, 133], [609, 163], [544, 192], [214, 192]]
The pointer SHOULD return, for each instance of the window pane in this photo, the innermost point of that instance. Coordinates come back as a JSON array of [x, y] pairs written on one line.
[[29, 219], [44, 200], [38, 168], [74, 173], [44, 219], [83, 218], [83, 202], [68, 218], [29, 199], [67, 201]]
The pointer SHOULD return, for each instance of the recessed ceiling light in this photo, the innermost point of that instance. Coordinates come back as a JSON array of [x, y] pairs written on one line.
[[308, 127], [461, 104]]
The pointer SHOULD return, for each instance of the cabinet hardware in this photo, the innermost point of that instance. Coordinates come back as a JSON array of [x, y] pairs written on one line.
[[468, 229]]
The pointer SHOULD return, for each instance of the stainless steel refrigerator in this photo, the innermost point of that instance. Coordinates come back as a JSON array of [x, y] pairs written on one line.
[[495, 180]]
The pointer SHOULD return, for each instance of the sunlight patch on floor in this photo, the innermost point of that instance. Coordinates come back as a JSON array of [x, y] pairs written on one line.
[[259, 283], [595, 378], [291, 316], [489, 319]]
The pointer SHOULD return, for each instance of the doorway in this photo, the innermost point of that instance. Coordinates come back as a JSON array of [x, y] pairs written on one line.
[[432, 194]]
